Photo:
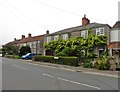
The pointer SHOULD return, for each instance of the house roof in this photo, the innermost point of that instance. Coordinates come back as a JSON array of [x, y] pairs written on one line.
[[30, 39], [25, 40], [13, 42], [79, 28], [114, 45], [117, 25]]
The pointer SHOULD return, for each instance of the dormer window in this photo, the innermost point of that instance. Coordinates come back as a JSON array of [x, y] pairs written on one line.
[[100, 31]]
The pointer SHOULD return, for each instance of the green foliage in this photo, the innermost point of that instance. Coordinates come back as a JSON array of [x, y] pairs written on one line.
[[103, 62], [68, 51], [102, 65], [16, 57], [43, 58], [10, 50], [61, 54], [12, 56], [24, 50], [78, 46], [72, 61], [91, 55], [88, 64]]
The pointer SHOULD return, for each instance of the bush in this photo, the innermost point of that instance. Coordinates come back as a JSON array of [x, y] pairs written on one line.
[[102, 65], [9, 56], [61, 54], [43, 58], [88, 64], [12, 56], [16, 57], [24, 50], [72, 61]]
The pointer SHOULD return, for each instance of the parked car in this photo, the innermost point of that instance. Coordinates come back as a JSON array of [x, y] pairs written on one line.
[[28, 56]]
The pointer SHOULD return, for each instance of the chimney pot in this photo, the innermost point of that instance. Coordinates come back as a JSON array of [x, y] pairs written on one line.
[[29, 35], [85, 20], [15, 39], [47, 32], [23, 36]]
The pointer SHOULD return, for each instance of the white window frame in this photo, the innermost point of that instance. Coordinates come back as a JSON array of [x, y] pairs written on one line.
[[56, 37], [49, 39], [100, 31], [64, 36], [84, 33]]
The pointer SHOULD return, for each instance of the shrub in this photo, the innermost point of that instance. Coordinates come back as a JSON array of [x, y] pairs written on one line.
[[43, 58], [24, 50], [61, 54], [72, 61], [9, 56], [102, 65], [16, 57], [12, 56], [88, 63]]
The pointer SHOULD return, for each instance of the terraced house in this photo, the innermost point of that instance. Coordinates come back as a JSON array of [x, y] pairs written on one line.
[[114, 45], [112, 33], [81, 31], [35, 43]]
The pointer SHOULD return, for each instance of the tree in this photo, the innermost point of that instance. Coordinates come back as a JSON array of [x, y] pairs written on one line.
[[10, 49], [24, 50]]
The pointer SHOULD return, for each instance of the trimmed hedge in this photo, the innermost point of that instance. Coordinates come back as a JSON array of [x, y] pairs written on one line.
[[12, 56], [72, 61]]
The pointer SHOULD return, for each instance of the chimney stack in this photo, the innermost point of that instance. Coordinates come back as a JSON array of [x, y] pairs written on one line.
[[23, 36], [29, 35], [47, 32], [85, 20], [15, 39]]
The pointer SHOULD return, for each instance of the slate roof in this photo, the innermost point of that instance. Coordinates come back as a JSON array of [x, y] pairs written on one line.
[[79, 28]]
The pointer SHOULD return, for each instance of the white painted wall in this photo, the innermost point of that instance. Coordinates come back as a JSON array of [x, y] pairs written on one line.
[[115, 36]]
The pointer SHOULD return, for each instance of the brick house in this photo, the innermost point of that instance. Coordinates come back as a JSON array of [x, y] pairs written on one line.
[[35, 43], [82, 31], [114, 45]]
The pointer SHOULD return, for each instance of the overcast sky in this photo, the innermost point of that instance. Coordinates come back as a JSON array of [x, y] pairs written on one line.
[[20, 17]]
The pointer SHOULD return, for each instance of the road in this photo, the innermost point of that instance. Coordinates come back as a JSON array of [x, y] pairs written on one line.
[[19, 75]]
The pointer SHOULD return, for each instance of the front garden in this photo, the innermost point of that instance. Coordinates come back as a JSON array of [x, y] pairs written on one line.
[[79, 52]]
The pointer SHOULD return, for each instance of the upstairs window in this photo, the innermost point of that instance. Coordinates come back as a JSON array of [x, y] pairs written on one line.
[[48, 39], [56, 37], [84, 33], [100, 31], [65, 36]]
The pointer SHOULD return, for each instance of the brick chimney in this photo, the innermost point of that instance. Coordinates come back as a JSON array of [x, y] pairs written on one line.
[[23, 36], [47, 32], [29, 35], [15, 39], [85, 20]]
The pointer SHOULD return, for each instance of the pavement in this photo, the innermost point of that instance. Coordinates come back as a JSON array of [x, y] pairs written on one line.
[[78, 69]]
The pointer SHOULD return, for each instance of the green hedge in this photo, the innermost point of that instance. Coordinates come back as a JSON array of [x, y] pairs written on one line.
[[12, 56], [72, 61]]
